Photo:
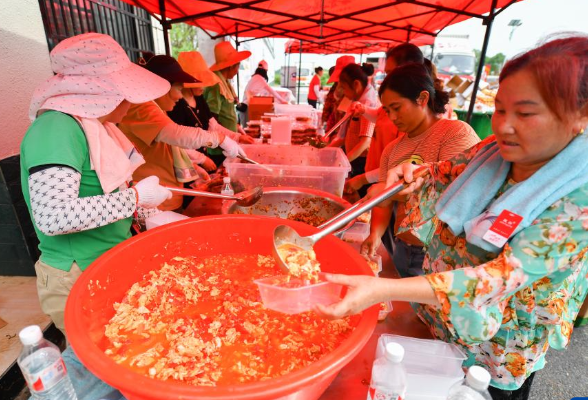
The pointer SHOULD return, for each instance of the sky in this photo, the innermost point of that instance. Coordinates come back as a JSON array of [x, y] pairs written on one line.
[[539, 18]]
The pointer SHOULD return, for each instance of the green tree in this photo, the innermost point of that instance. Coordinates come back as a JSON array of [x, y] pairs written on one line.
[[183, 37], [496, 62]]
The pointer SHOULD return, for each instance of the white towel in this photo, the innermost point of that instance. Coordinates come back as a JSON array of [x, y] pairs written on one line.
[[112, 155]]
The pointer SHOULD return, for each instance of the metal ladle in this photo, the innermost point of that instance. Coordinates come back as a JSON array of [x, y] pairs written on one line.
[[246, 198], [286, 235], [250, 161]]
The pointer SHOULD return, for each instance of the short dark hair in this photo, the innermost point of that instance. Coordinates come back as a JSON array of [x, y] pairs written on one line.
[[410, 80], [318, 69], [331, 70], [405, 53]]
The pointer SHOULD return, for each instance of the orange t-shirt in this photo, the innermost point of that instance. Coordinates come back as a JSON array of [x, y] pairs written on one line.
[[314, 82], [385, 133], [442, 141], [141, 125]]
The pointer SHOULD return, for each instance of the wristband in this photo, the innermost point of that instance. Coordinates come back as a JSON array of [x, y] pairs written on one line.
[[136, 197]]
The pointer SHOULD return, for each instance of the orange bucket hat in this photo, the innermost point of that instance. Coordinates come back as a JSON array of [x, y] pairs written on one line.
[[193, 63], [226, 55]]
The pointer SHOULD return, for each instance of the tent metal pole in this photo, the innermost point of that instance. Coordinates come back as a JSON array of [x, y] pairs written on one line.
[[299, 73], [489, 21], [284, 68], [288, 68], [165, 26], [237, 48], [432, 51]]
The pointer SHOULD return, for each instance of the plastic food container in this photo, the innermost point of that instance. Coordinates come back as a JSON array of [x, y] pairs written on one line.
[[294, 110], [105, 282], [432, 366], [297, 297], [377, 259], [164, 218], [385, 309], [298, 166], [358, 232]]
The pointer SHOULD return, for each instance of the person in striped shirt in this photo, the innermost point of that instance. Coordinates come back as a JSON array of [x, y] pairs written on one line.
[[409, 98]]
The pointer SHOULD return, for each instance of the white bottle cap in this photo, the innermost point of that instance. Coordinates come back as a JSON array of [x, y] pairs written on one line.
[[227, 179], [478, 378], [394, 352], [30, 335]]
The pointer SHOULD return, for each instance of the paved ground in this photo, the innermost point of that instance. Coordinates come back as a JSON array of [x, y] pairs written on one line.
[[566, 374]]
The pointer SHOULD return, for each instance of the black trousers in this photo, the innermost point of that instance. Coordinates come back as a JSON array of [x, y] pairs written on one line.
[[312, 102], [521, 393]]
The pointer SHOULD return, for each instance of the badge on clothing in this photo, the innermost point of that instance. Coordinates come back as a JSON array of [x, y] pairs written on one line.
[[502, 228]]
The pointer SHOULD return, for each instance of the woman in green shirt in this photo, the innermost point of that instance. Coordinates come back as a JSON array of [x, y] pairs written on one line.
[[76, 164]]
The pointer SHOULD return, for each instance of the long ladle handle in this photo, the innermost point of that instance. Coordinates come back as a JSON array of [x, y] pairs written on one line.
[[199, 193], [247, 159], [337, 222], [341, 214], [338, 124]]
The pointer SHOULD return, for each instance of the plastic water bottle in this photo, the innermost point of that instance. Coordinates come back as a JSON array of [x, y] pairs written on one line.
[[388, 375], [474, 387], [43, 368], [227, 188]]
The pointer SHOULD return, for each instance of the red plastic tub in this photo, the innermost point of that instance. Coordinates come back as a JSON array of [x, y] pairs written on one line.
[[89, 306]]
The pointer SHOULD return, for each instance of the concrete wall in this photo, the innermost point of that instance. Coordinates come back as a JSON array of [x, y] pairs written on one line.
[[24, 64]]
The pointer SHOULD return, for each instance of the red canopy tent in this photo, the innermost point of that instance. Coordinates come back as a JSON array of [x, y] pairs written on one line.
[[351, 46], [326, 21], [321, 21]]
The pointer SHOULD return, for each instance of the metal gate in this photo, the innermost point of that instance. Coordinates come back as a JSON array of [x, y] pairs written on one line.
[[130, 26]]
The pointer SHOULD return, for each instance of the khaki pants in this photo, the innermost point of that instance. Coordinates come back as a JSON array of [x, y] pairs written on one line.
[[53, 287]]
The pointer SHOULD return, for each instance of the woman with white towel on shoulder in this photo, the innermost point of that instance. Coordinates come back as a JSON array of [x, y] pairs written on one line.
[[76, 164]]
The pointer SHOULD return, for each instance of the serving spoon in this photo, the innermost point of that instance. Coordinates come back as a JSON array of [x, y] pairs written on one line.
[[285, 235]]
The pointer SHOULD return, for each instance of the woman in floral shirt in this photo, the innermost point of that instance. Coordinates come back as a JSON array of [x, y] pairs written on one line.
[[504, 305]]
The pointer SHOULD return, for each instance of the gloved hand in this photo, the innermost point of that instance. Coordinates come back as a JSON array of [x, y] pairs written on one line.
[[231, 148], [151, 193], [208, 165], [246, 139], [201, 172]]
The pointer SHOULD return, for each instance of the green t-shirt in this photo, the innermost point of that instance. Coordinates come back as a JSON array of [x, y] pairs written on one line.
[[56, 138], [219, 105]]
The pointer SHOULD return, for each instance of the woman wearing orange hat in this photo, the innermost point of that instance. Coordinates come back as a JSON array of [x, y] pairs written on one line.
[[163, 142], [221, 98], [192, 109]]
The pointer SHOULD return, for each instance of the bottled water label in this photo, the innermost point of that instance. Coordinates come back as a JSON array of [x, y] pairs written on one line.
[[47, 377], [377, 394]]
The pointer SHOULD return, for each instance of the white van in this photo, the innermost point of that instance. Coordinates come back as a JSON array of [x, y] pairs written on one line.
[[454, 55]]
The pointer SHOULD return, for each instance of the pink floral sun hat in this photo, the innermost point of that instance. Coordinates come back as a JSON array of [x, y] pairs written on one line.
[[93, 76]]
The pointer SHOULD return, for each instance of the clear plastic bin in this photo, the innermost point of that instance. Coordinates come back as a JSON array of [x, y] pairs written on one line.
[[163, 218], [298, 299], [294, 109], [385, 309], [298, 166], [356, 244], [432, 366], [358, 233]]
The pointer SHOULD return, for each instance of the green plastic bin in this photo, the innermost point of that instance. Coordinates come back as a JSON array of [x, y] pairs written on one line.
[[481, 122]]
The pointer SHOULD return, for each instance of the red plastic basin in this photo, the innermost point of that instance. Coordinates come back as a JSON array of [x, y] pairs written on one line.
[[89, 306]]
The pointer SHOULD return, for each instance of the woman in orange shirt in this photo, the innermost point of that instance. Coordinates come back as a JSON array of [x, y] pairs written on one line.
[[315, 87]]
